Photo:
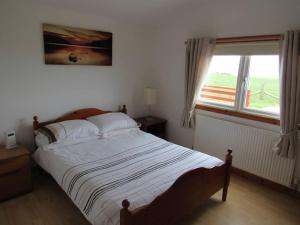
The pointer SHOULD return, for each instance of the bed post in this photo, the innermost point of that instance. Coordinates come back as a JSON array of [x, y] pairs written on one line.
[[123, 109], [35, 122], [228, 162], [125, 214]]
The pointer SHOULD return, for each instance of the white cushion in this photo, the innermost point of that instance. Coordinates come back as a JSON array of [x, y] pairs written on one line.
[[41, 140], [118, 132], [109, 122], [70, 129]]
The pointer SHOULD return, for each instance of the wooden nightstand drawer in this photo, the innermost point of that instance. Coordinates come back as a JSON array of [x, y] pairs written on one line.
[[159, 128], [14, 164], [15, 172], [153, 125], [16, 182]]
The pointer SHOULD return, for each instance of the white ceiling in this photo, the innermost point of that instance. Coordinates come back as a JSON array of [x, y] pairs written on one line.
[[135, 11]]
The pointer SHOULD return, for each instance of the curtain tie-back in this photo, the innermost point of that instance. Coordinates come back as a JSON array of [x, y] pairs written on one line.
[[293, 132], [189, 111]]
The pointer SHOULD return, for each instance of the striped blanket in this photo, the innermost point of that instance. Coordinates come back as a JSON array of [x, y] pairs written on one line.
[[98, 174]]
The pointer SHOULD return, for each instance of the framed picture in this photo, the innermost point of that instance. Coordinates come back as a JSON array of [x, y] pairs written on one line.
[[76, 46]]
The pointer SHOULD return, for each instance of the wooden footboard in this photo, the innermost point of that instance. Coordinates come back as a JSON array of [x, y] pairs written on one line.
[[185, 195]]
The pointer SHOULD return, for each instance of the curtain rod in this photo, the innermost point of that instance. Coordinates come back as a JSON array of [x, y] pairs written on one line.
[[273, 37]]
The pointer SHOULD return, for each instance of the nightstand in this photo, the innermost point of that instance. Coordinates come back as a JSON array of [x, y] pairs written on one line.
[[153, 125], [15, 172]]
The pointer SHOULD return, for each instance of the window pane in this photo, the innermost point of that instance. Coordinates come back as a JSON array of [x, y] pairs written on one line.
[[220, 84], [263, 91]]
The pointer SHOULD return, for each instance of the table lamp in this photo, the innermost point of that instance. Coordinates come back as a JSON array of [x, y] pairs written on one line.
[[150, 95]]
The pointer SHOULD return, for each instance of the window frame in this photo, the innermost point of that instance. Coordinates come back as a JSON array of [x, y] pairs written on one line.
[[244, 115], [239, 109]]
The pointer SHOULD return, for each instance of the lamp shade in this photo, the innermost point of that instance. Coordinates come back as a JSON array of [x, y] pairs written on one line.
[[150, 96]]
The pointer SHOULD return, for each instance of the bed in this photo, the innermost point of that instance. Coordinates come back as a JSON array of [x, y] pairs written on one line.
[[133, 178]]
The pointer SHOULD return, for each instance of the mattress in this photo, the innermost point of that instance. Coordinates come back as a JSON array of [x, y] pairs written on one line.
[[98, 174]]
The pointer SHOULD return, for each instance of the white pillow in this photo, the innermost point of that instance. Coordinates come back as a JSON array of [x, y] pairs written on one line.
[[117, 132], [41, 140], [70, 129], [112, 121]]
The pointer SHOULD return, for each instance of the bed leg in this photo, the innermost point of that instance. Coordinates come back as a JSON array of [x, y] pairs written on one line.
[[228, 162], [125, 214]]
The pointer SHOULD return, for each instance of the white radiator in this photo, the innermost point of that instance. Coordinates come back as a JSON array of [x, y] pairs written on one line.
[[251, 148]]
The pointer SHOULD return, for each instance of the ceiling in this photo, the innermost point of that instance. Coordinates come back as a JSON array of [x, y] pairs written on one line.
[[135, 11]]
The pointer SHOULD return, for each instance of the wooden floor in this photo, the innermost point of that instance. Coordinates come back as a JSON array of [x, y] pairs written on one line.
[[247, 204]]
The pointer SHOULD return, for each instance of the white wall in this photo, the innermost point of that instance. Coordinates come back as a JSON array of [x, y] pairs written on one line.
[[141, 57], [215, 19], [29, 87]]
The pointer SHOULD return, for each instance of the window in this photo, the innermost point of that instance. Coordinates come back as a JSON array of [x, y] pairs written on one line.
[[221, 80], [244, 77], [263, 84]]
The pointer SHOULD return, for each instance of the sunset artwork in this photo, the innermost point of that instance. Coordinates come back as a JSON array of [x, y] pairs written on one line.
[[75, 46]]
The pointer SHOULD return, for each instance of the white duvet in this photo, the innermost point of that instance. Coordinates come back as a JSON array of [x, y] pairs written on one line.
[[97, 174]]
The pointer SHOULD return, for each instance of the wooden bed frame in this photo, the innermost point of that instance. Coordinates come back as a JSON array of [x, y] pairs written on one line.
[[185, 195], [80, 114]]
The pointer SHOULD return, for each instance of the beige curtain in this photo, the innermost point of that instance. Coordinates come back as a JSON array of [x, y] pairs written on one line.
[[198, 56], [290, 94]]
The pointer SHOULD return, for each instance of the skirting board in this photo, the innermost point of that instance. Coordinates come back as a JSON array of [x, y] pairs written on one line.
[[266, 182]]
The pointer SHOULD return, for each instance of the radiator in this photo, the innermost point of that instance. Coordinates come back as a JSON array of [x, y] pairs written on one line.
[[251, 148]]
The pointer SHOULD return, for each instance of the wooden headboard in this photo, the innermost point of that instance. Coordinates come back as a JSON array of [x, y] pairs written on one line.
[[80, 114]]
